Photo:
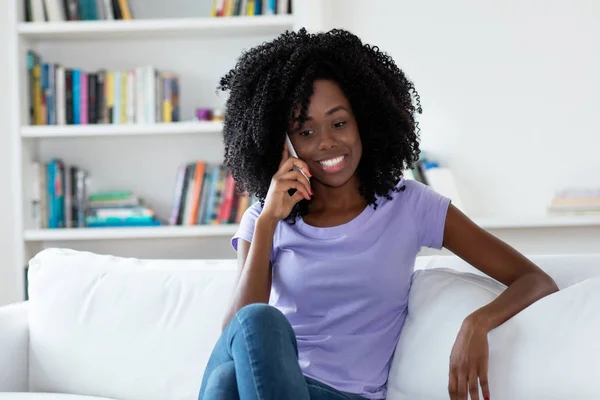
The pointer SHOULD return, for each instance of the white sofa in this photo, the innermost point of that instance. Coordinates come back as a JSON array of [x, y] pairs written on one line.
[[134, 329]]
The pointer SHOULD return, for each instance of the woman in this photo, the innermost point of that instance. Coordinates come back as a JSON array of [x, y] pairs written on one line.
[[331, 245]]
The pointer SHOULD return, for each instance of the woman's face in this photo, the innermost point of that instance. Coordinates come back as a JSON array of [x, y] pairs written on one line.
[[328, 141]]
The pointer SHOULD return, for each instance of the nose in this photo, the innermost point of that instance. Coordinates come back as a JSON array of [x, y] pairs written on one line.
[[328, 140]]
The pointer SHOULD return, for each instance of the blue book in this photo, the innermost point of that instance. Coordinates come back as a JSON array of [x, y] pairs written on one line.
[[76, 96], [123, 224], [51, 195], [210, 201], [258, 7]]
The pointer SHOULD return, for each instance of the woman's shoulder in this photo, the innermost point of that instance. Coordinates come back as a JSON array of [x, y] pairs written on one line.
[[253, 212], [404, 190]]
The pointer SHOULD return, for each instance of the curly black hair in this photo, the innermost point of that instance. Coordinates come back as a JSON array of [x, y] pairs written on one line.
[[271, 81]]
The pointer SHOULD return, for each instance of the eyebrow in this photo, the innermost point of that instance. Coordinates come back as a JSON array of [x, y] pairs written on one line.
[[329, 112]]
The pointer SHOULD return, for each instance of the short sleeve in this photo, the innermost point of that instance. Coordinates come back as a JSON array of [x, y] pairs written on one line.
[[431, 210], [246, 229]]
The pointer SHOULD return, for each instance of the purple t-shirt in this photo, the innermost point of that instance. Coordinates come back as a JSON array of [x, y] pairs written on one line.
[[344, 289]]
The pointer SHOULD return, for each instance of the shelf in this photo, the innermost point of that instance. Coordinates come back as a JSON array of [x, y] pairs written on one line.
[[152, 28], [166, 232], [172, 128], [159, 232], [538, 222]]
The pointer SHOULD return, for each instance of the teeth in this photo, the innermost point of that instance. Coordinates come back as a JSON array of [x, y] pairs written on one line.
[[333, 161]]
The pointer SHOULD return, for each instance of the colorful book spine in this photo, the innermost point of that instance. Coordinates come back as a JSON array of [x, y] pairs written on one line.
[[76, 96], [83, 99]]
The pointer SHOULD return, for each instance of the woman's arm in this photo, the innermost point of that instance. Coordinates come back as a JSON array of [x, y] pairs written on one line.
[[254, 268], [526, 283]]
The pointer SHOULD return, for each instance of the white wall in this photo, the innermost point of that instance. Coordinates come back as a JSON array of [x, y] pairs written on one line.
[[510, 90], [8, 288]]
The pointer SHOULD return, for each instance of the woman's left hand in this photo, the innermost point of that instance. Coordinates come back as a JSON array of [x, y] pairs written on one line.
[[469, 362]]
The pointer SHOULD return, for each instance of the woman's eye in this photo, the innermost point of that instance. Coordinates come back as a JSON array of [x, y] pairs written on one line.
[[306, 132], [339, 124]]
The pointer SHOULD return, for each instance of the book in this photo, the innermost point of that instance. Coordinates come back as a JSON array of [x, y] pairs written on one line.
[[59, 95], [76, 10], [205, 194]]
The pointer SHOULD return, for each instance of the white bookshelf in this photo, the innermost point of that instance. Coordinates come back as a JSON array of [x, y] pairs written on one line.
[[162, 232], [174, 232], [138, 157], [174, 128], [538, 222], [148, 29]]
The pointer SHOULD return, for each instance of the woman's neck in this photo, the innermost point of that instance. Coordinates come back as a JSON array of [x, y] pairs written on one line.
[[345, 197]]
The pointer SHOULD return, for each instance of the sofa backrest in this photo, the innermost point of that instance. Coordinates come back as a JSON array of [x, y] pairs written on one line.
[[124, 328], [550, 350], [144, 329]]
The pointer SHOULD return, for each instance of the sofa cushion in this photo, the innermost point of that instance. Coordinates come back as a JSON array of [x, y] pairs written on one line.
[[548, 351], [121, 327], [566, 270]]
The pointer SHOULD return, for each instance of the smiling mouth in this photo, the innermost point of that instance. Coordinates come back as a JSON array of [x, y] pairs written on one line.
[[333, 164]]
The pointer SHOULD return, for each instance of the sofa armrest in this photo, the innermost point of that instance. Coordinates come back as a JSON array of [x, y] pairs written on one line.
[[14, 348]]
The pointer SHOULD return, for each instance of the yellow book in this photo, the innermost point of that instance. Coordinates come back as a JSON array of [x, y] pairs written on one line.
[[110, 94], [213, 12], [167, 104], [250, 8], [229, 8], [125, 12], [37, 96]]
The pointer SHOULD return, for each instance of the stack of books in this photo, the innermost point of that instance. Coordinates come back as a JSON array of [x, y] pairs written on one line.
[[576, 202], [71, 96], [76, 10], [233, 8], [205, 194], [118, 209]]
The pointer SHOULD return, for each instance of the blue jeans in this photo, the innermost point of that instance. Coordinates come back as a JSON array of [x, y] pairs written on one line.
[[256, 358]]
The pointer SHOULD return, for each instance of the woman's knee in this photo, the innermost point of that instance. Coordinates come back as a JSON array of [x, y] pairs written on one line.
[[263, 315]]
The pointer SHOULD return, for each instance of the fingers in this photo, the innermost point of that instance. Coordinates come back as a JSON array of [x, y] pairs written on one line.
[[457, 385], [297, 176], [292, 162], [298, 196], [473, 385], [285, 185], [462, 387], [483, 380], [460, 384], [453, 386]]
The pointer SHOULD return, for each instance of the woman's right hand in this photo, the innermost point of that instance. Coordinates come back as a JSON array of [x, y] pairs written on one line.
[[279, 203]]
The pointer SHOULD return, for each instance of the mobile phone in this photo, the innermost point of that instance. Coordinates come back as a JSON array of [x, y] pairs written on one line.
[[290, 146], [293, 153]]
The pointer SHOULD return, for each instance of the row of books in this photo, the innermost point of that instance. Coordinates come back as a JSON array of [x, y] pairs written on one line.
[[576, 201], [76, 10], [59, 195], [205, 194], [61, 199], [229, 8], [61, 96]]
